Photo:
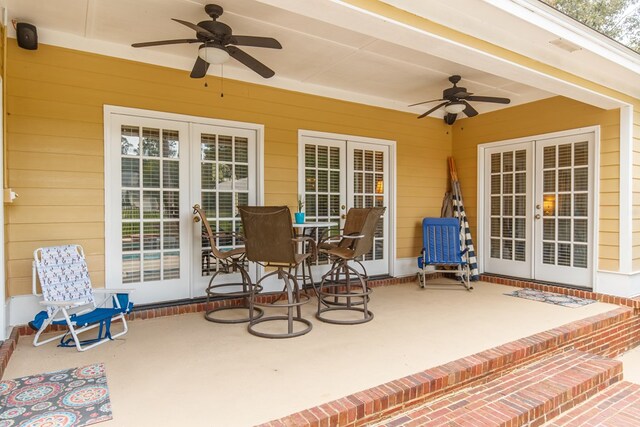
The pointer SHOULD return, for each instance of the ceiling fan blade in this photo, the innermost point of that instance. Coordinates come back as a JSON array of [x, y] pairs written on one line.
[[267, 42], [198, 29], [489, 99], [250, 61], [163, 42], [469, 111], [433, 109], [199, 68], [425, 102]]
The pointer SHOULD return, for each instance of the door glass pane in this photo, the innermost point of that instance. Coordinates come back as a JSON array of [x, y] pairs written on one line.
[[566, 205], [224, 175], [508, 213], [323, 185], [150, 206], [170, 144], [369, 189]]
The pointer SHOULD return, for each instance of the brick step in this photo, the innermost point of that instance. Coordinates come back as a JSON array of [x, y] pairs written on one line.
[[616, 406], [528, 396]]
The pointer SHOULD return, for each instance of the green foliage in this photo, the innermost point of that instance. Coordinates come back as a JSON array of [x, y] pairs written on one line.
[[618, 19]]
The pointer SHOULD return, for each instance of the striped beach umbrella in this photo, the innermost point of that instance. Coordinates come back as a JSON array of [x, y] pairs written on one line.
[[466, 240]]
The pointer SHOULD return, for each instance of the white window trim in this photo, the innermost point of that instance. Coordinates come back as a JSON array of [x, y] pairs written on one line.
[[392, 177], [596, 188], [111, 207]]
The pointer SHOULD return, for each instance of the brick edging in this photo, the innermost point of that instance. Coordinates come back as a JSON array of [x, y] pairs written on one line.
[[6, 349], [606, 334], [580, 293]]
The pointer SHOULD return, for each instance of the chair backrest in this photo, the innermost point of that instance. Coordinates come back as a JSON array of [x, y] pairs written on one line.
[[208, 231], [368, 228], [441, 240], [354, 224], [63, 274], [268, 233]]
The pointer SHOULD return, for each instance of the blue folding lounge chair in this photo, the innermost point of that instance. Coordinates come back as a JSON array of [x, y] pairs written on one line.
[[69, 299], [441, 247]]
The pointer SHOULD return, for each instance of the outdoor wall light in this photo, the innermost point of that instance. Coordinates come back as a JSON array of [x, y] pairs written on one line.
[[455, 108], [213, 55], [380, 187], [549, 205]]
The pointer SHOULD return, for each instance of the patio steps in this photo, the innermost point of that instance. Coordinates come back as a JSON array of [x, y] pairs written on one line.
[[528, 396], [616, 406]]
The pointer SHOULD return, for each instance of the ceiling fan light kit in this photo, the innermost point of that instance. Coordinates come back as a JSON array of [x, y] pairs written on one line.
[[455, 108], [213, 55], [218, 44], [455, 100]]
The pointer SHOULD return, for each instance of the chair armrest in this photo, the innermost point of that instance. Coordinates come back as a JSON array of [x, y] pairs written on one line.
[[350, 236], [328, 234], [70, 303], [112, 291], [310, 240]]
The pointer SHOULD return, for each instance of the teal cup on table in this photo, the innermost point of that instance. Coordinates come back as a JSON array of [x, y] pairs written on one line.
[[299, 217]]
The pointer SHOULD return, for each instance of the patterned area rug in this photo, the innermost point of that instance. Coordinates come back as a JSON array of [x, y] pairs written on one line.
[[551, 298], [69, 398]]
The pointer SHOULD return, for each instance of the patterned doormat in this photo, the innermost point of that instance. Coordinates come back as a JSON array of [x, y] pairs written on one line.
[[551, 298], [69, 398]]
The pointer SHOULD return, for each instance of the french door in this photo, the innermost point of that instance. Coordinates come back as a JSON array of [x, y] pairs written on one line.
[[539, 210], [223, 168], [156, 171], [336, 175]]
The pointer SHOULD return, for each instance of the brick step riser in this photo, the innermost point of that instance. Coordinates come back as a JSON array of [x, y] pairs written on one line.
[[617, 405], [527, 397], [592, 335]]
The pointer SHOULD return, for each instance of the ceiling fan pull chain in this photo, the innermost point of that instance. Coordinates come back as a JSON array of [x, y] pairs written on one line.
[[221, 80]]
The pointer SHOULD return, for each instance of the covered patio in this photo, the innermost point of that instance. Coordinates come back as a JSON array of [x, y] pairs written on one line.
[[111, 146], [182, 370]]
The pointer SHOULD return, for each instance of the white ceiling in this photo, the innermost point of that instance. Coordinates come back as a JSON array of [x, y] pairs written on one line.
[[324, 57], [523, 35]]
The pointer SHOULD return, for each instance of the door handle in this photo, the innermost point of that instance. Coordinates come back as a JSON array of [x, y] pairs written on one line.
[[343, 216], [537, 216]]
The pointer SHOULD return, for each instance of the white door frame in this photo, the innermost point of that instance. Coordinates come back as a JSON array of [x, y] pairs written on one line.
[[596, 187], [391, 209], [110, 205]]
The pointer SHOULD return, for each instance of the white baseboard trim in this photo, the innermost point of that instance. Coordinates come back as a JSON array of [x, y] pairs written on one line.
[[22, 309], [405, 267], [618, 284], [6, 330]]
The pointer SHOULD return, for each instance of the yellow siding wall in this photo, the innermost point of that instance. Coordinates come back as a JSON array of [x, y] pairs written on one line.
[[636, 190], [549, 115], [55, 142]]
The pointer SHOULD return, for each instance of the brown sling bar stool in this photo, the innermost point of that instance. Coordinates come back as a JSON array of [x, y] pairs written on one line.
[[230, 261], [352, 227], [270, 242], [343, 283]]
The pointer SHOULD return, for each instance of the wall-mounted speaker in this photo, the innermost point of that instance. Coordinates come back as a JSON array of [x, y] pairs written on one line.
[[27, 36]]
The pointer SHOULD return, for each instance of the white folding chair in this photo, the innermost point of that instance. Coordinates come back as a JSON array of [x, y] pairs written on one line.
[[69, 299]]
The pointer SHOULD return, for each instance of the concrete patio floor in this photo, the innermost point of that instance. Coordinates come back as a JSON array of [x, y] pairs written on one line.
[[183, 370]]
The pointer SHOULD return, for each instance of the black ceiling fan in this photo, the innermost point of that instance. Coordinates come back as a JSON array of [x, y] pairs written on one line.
[[456, 101], [218, 43]]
